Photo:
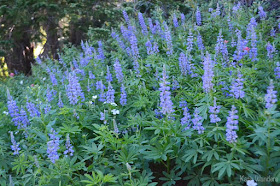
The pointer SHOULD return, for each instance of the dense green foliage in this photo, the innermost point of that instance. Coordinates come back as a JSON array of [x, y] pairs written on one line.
[[139, 145]]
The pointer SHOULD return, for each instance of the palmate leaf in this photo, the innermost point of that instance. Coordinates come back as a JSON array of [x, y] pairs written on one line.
[[99, 179]]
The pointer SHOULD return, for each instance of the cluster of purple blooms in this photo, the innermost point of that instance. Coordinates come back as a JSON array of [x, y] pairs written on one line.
[[277, 70], [208, 75], [186, 120], [271, 96], [69, 148], [237, 87], [197, 121], [214, 111], [74, 90], [53, 146], [15, 146], [231, 125]]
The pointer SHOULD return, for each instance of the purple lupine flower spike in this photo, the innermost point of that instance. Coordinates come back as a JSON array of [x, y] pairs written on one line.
[[198, 17], [69, 148], [32, 109], [270, 50], [60, 103], [15, 146], [74, 90], [142, 23], [271, 96], [13, 109], [24, 120], [110, 95], [197, 122], [175, 21], [165, 95], [183, 19], [186, 120], [123, 99], [277, 70], [214, 110], [237, 86], [231, 125], [208, 75], [109, 77], [262, 13], [190, 41], [149, 47], [199, 42], [168, 40], [272, 32], [53, 146]]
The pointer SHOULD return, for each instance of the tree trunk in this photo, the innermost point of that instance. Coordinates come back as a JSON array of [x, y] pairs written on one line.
[[20, 56], [52, 45]]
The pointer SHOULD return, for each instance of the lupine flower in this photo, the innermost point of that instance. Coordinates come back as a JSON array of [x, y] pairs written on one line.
[[23, 119], [33, 111], [118, 39], [151, 26], [220, 43], [233, 42], [60, 103], [84, 60], [217, 12], [262, 13], [190, 41], [199, 42], [13, 109], [123, 99], [125, 33], [118, 71], [254, 50], [208, 75], [183, 104], [241, 45], [74, 90], [175, 84], [126, 18], [110, 95], [197, 122], [53, 146], [271, 96], [214, 110], [90, 75], [102, 87], [165, 95], [53, 78], [109, 77], [99, 85], [15, 145], [231, 125], [198, 17], [101, 55], [210, 10], [237, 86], [142, 23], [149, 47], [235, 8], [185, 65], [270, 50], [272, 32], [277, 70], [38, 60], [168, 40], [69, 148], [230, 27], [183, 19], [175, 21], [186, 120], [47, 108], [49, 94], [158, 114], [102, 116], [155, 48]]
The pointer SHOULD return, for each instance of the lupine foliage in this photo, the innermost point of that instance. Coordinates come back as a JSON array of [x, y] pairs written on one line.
[[188, 100]]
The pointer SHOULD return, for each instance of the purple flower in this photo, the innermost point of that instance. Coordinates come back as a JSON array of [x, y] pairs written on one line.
[[241, 45], [74, 90], [49, 94], [214, 110], [254, 50], [90, 75], [38, 60], [101, 55], [69, 148], [126, 17], [183, 19], [231, 125], [185, 65], [230, 27], [183, 104], [190, 41], [262, 13], [277, 70], [123, 99], [116, 130], [33, 111], [102, 116], [165, 95], [186, 120], [142, 23], [237, 86], [149, 47], [53, 146], [155, 48], [271, 96], [235, 8], [23, 119], [270, 50], [175, 84], [151, 26], [208, 75], [175, 21], [102, 96], [197, 122], [118, 39], [109, 77], [13, 109], [15, 145], [118, 71], [198, 17], [168, 40], [110, 95], [199, 42]]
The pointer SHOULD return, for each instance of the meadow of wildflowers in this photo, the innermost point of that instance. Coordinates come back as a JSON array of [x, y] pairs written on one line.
[[192, 99]]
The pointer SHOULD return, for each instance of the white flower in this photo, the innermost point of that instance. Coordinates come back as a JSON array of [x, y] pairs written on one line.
[[251, 183], [5, 112], [94, 97], [114, 111], [44, 79], [90, 102], [114, 104], [104, 102], [21, 82], [128, 166]]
